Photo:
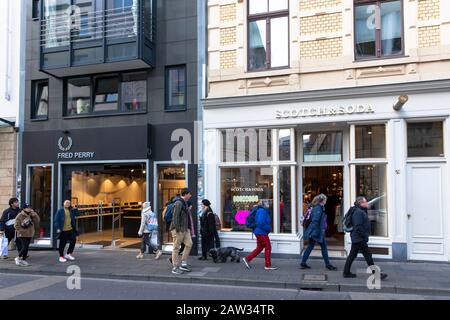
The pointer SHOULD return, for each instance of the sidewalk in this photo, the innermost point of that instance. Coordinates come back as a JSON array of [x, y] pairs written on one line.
[[403, 278]]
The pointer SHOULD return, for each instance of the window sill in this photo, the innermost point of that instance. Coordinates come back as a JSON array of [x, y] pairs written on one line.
[[368, 60], [39, 119], [99, 115], [175, 109]]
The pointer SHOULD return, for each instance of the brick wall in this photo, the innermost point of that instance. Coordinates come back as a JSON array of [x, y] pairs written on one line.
[[228, 12], [321, 49], [428, 10], [227, 36], [228, 59], [315, 4], [429, 36], [321, 24], [7, 166]]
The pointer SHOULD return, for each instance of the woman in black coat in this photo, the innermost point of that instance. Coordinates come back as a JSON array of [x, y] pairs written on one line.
[[207, 229]]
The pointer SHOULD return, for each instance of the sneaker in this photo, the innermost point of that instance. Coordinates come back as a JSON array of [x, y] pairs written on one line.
[[304, 266], [17, 260], [246, 264], [185, 268], [177, 271], [62, 259], [202, 258], [331, 267], [158, 255], [69, 257], [140, 256], [271, 268], [383, 276], [5, 257], [23, 263], [349, 275]]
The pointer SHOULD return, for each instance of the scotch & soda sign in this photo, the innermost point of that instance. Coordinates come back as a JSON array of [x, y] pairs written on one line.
[[324, 111]]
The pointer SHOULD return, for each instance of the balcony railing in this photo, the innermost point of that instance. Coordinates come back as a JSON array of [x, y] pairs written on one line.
[[75, 37]]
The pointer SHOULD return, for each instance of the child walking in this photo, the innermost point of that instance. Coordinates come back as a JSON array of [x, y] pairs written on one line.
[[149, 231]]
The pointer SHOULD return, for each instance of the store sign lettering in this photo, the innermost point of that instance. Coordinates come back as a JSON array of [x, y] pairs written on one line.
[[76, 155], [324, 111]]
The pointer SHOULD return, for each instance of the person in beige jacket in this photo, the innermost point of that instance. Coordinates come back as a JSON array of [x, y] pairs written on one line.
[[26, 225]]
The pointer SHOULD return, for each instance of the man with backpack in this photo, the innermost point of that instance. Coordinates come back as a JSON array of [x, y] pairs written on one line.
[[260, 222], [181, 228], [357, 222], [7, 223]]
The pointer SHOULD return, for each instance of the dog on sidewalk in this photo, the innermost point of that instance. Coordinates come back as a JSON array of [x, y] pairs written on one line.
[[222, 254]]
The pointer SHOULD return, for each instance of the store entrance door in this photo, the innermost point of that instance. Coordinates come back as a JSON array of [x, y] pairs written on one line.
[[329, 181]]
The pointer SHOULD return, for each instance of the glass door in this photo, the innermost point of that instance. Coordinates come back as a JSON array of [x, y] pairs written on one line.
[[170, 180]]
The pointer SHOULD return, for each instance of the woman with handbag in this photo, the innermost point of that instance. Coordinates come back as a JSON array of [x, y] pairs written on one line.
[[26, 225], [149, 231], [315, 232]]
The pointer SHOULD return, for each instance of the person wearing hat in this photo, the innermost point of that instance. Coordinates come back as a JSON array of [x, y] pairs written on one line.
[[26, 225], [207, 228], [7, 222]]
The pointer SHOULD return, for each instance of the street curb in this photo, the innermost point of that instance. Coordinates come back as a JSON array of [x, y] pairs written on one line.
[[302, 285]]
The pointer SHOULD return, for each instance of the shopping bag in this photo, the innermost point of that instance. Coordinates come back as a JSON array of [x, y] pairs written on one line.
[[154, 239], [3, 246]]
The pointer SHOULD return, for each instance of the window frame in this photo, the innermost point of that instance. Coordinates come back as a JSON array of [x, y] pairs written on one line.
[[93, 85], [36, 9], [175, 108], [433, 158], [268, 16], [36, 88], [378, 48]]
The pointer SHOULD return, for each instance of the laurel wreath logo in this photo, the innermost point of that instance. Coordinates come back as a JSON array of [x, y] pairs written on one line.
[[65, 148]]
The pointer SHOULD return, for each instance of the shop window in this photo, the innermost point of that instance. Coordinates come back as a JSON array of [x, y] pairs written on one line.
[[268, 35], [134, 92], [284, 144], [246, 145], [370, 181], [425, 139], [106, 94], [78, 96], [285, 199], [378, 28], [40, 100], [370, 141], [176, 88], [241, 189], [40, 197], [322, 147]]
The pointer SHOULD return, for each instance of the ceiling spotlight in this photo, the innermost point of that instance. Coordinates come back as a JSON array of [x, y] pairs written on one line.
[[401, 102]]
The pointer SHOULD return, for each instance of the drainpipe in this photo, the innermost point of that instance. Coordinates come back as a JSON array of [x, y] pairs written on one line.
[[8, 52]]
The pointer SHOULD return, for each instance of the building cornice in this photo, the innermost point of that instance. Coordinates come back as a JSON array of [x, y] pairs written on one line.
[[328, 94]]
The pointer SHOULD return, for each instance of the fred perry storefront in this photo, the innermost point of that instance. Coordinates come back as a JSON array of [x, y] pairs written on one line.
[[387, 143]]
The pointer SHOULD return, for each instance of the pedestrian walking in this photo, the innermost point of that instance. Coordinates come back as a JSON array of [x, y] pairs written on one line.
[[7, 221], [207, 228], [181, 228], [315, 232], [357, 221], [260, 222], [149, 231], [65, 226], [26, 226]]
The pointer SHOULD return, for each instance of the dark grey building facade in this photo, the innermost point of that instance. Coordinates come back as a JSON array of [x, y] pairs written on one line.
[[111, 104]]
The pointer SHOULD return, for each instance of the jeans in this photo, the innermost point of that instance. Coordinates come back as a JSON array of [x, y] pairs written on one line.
[[64, 237], [217, 239], [146, 241], [24, 245], [10, 233], [178, 239], [262, 243], [310, 248], [358, 247]]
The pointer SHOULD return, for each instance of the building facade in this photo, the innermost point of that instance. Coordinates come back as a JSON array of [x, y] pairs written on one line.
[[10, 96], [340, 97], [111, 101]]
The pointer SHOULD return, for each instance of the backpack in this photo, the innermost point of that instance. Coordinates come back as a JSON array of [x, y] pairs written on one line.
[[27, 222], [347, 221], [152, 222], [250, 222], [218, 222], [307, 218], [168, 216]]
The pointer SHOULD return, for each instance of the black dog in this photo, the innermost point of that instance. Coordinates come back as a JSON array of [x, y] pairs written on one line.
[[222, 254]]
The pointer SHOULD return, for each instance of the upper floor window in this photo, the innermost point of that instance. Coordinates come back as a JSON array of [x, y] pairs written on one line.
[[39, 102], [378, 28], [268, 34], [106, 94], [36, 10], [176, 87]]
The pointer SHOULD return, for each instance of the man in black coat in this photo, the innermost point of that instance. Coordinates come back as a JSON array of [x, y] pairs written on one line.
[[360, 237], [7, 221]]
